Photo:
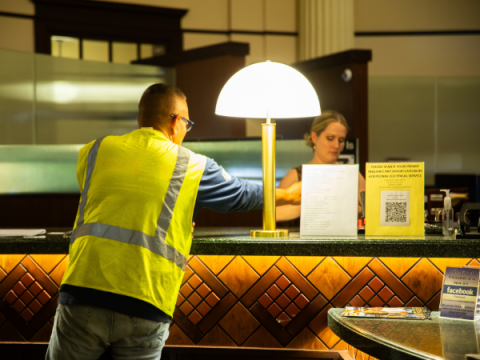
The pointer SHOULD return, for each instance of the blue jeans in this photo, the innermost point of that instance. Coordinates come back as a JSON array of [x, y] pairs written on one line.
[[84, 332]]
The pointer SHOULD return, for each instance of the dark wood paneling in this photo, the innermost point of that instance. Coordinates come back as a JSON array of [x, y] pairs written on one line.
[[201, 74], [107, 21], [202, 81], [38, 210], [210, 218], [231, 48]]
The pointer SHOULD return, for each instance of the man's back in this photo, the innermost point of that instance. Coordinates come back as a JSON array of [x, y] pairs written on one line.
[[132, 234]]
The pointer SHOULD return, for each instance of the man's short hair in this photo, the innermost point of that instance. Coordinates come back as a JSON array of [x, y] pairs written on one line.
[[157, 103]]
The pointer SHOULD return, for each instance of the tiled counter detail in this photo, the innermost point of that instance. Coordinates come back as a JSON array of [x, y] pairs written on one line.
[[28, 293], [247, 301]]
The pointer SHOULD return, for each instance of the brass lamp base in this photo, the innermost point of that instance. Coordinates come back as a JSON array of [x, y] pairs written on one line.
[[279, 233]]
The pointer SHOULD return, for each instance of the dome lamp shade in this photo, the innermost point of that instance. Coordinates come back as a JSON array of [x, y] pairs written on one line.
[[268, 90]]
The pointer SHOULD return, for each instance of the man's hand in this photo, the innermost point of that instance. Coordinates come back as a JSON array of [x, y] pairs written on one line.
[[289, 196]]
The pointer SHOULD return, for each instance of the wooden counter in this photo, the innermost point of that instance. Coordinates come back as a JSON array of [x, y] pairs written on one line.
[[275, 295]]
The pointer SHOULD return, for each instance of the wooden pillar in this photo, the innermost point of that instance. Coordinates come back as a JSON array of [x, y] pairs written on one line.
[[324, 27]]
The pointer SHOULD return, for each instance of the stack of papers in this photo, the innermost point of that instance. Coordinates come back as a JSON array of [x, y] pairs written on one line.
[[22, 232], [412, 313]]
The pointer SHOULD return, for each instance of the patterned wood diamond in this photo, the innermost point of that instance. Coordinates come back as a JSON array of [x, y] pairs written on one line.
[[416, 279], [474, 262], [306, 340], [261, 263], [395, 302], [357, 301], [3, 274], [262, 339], [305, 264], [283, 319], [366, 293], [238, 276], [239, 323], [275, 308], [28, 305], [57, 273], [319, 326], [376, 284], [376, 302], [9, 262], [391, 280], [329, 278], [386, 294], [196, 299], [216, 263], [217, 337], [283, 305], [47, 262], [442, 263], [352, 264], [399, 266]]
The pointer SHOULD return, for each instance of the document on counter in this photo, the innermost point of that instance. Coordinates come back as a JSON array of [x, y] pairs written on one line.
[[329, 200], [22, 232]]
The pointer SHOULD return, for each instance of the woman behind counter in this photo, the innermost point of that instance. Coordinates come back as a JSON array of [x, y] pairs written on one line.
[[327, 139]]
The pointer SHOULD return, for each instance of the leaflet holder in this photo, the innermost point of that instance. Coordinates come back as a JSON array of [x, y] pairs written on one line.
[[473, 209]]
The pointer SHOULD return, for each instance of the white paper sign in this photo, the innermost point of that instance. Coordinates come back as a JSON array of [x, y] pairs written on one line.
[[329, 200]]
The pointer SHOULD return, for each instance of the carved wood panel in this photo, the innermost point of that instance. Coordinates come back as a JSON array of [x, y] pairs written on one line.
[[240, 301]]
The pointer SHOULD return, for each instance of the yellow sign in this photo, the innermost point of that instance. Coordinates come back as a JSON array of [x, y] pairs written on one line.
[[394, 201]]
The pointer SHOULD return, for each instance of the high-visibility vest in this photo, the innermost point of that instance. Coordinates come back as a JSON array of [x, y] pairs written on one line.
[[132, 233]]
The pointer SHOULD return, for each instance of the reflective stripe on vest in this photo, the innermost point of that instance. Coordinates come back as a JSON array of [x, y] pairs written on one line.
[[156, 243]]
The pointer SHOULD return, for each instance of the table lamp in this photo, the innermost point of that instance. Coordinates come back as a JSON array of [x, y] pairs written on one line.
[[268, 90]]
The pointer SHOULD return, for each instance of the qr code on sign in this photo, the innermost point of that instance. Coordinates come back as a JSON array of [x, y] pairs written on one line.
[[396, 212]]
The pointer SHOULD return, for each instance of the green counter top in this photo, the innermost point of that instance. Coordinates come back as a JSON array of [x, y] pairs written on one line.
[[236, 241]]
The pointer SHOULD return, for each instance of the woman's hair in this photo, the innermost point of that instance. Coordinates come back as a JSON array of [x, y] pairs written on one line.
[[321, 122]]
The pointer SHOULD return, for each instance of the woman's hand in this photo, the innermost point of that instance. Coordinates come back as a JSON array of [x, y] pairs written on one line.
[[289, 196]]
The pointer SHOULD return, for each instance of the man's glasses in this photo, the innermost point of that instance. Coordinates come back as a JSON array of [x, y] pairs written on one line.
[[189, 122]]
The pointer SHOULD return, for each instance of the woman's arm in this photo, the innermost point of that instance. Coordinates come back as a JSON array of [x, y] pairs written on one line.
[[288, 212]]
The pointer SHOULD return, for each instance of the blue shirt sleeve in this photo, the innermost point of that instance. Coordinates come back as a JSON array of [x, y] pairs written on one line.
[[223, 193]]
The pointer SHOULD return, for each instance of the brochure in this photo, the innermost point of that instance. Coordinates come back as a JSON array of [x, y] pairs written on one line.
[[460, 293], [394, 199], [408, 313]]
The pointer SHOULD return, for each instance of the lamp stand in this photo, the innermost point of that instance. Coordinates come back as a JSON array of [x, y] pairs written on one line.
[[268, 166]]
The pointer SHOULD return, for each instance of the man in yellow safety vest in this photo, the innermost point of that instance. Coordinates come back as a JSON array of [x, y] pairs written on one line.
[[132, 233]]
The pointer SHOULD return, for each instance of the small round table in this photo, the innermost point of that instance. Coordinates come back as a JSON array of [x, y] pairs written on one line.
[[435, 339]]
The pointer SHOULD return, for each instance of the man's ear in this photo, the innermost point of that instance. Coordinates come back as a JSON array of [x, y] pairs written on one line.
[[175, 124]]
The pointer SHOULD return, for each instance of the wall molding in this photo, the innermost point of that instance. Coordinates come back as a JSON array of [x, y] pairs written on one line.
[[16, 15], [417, 33], [243, 32]]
